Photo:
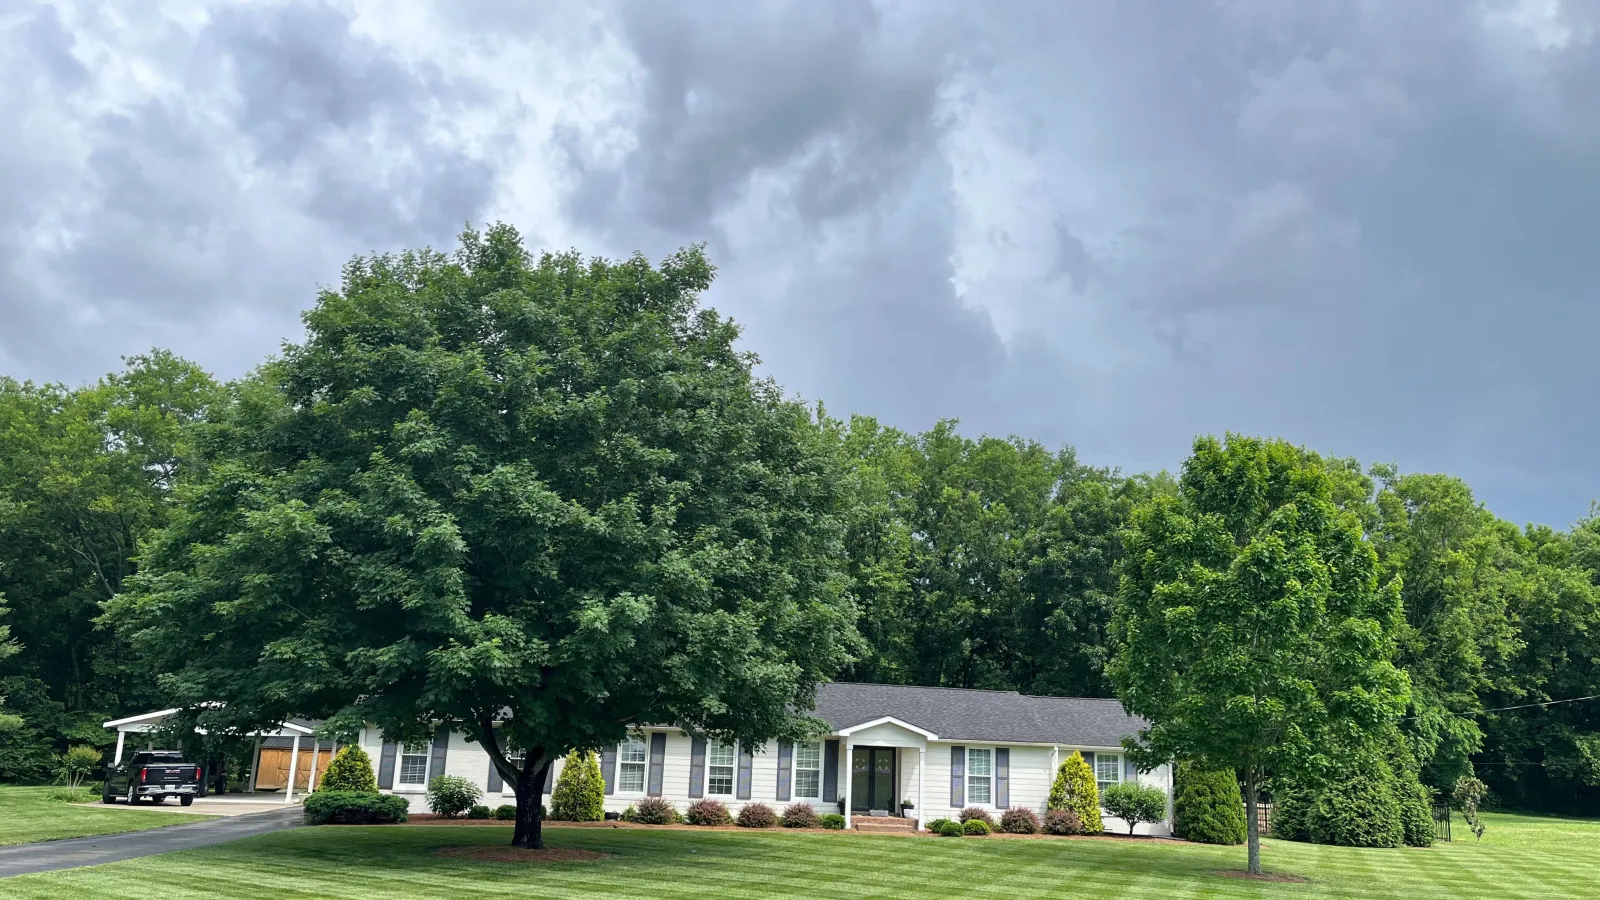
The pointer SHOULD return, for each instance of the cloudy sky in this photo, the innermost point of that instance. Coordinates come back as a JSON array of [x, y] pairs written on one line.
[[1370, 227]]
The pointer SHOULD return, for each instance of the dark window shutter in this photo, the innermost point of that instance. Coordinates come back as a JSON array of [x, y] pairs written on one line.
[[830, 772], [608, 768], [958, 776], [785, 765], [1130, 772], [742, 778], [550, 777], [441, 745], [386, 766], [1002, 777], [697, 767], [658, 759]]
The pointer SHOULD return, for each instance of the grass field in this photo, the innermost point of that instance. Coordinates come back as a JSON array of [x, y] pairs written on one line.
[[26, 816], [1521, 856]]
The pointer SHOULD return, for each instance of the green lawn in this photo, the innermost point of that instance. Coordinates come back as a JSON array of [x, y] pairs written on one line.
[[1520, 857], [26, 816]]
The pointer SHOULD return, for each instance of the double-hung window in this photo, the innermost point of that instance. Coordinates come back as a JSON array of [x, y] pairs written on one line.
[[808, 771], [980, 776], [630, 766], [719, 770], [1107, 770], [413, 768], [514, 757]]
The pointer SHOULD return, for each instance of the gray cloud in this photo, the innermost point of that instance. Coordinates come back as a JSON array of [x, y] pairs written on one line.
[[1362, 226]]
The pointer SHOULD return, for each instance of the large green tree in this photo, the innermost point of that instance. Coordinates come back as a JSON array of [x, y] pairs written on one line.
[[538, 500], [1253, 632], [85, 474]]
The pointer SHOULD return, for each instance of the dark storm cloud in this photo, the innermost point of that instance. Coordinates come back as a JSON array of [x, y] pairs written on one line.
[[1365, 227]]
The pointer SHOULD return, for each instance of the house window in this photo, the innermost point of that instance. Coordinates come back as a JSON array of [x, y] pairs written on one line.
[[980, 776], [1107, 770], [514, 757], [414, 765], [630, 766], [808, 771], [719, 770]]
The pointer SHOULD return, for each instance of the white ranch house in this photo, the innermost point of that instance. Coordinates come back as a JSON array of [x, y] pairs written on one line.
[[940, 749]]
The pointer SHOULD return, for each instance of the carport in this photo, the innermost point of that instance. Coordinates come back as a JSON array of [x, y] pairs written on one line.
[[273, 741]]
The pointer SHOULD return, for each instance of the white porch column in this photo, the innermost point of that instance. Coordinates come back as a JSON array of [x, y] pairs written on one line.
[[294, 763], [849, 779], [117, 759], [922, 785], [316, 747]]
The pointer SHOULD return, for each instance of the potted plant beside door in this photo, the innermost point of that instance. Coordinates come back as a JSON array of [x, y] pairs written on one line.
[[906, 806]]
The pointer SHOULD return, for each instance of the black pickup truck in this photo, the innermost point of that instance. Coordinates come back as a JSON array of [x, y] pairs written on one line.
[[152, 775]]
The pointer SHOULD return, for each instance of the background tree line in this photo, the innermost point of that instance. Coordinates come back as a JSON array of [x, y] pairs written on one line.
[[981, 563]]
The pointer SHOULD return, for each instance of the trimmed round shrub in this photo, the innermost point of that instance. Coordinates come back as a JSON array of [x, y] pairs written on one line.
[[976, 826], [801, 815], [756, 815], [1207, 806], [1291, 813], [353, 808], [451, 795], [935, 824], [1062, 822], [1356, 807], [350, 770], [948, 828], [654, 811], [707, 813], [505, 812], [580, 792], [1075, 789], [478, 812], [976, 812], [1019, 820], [832, 822]]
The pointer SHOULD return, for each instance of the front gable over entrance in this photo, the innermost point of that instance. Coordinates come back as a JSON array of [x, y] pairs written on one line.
[[887, 731]]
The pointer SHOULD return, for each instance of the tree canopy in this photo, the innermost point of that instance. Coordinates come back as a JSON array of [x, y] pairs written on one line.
[[1253, 631], [540, 500]]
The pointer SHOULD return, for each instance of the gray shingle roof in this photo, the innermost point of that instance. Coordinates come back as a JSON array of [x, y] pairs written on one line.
[[956, 714]]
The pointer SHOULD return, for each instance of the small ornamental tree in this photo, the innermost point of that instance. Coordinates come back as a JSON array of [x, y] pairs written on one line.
[[580, 792], [1207, 807], [350, 770], [1135, 803], [1252, 632], [1075, 789], [1467, 794], [76, 765], [532, 500]]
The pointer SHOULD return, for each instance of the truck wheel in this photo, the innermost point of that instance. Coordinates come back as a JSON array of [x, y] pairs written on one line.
[[133, 795], [105, 793], [186, 801]]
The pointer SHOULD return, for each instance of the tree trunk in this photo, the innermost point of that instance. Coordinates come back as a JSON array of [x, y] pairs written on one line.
[[1252, 826], [529, 787]]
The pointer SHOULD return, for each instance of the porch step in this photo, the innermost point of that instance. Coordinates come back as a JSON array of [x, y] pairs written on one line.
[[883, 824]]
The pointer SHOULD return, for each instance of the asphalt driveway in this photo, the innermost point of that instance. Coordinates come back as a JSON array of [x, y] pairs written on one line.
[[48, 856]]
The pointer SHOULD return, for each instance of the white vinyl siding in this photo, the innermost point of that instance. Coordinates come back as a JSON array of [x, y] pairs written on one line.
[[719, 770], [1107, 770], [631, 766], [412, 770], [980, 776], [808, 771]]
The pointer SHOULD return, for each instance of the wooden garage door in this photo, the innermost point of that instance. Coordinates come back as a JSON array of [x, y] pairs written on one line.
[[273, 772]]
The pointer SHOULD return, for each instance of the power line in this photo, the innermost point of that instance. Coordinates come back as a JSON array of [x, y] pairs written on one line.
[[1522, 706]]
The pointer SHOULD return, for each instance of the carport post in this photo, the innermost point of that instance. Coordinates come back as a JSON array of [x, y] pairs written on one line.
[[294, 763], [316, 747], [255, 763], [117, 759]]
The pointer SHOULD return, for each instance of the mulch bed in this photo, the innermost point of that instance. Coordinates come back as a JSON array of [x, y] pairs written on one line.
[[1265, 876], [433, 821], [514, 855]]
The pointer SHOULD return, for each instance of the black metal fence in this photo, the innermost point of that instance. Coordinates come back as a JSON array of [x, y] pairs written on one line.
[[1441, 823]]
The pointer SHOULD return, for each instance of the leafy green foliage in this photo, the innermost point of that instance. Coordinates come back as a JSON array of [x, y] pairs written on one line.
[[580, 792], [354, 808], [832, 822], [948, 828], [976, 812], [1253, 631], [479, 812], [976, 827], [1207, 807], [350, 770], [1135, 803], [76, 765], [505, 812], [707, 812], [800, 815], [1019, 820], [756, 815], [451, 795], [1075, 789], [491, 482], [1368, 801], [1467, 794], [935, 824], [71, 795]]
